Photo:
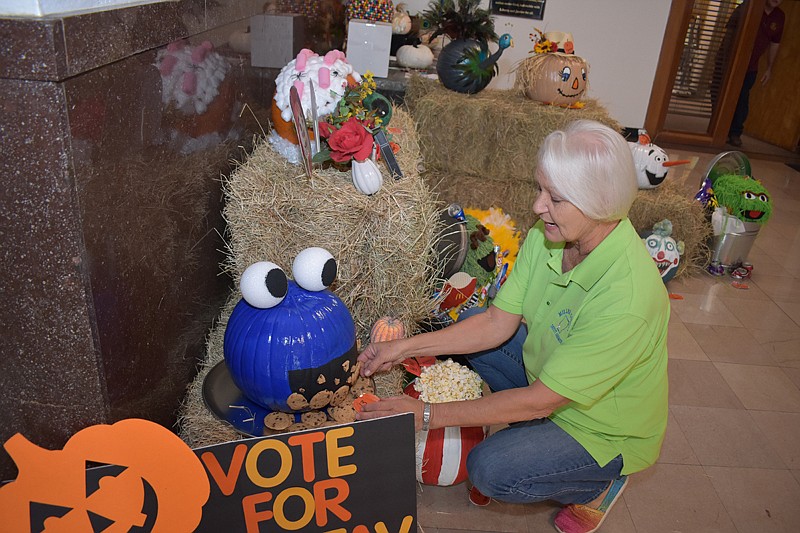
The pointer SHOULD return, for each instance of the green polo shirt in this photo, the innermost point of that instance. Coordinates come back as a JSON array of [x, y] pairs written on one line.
[[598, 336]]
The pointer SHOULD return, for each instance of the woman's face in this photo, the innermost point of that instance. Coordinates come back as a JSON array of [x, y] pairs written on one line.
[[563, 222]]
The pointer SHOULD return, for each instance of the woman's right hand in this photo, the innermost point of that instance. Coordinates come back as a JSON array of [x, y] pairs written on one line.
[[380, 356]]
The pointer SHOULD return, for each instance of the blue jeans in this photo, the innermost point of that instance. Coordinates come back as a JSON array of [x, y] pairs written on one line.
[[742, 105], [534, 460]]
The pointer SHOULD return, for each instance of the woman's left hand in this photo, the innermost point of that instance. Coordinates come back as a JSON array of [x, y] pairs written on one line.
[[393, 406]]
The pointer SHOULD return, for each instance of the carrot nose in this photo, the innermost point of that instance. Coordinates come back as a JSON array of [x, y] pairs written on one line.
[[575, 84], [676, 163]]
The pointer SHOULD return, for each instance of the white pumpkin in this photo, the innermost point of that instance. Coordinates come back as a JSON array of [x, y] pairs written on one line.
[[414, 56], [239, 41], [367, 177], [401, 21]]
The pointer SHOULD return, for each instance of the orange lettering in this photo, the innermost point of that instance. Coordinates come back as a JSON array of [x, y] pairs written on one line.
[[323, 504], [306, 442], [225, 481], [252, 517]]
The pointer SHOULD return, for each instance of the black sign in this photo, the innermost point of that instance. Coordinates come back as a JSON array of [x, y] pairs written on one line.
[[531, 9], [354, 477]]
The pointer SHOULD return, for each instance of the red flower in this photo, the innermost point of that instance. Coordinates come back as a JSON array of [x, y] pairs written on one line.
[[351, 141]]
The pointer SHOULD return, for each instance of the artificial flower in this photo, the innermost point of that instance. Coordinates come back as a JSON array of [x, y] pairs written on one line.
[[351, 141]]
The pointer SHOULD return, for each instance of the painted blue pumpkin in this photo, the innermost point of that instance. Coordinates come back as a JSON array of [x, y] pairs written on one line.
[[299, 353]]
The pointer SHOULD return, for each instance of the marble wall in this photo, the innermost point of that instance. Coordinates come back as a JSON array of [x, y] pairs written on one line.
[[110, 210]]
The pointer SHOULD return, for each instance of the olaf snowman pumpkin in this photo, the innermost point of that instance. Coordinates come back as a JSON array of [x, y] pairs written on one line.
[[651, 162]]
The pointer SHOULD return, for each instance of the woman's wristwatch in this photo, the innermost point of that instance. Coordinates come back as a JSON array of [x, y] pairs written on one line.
[[426, 416]]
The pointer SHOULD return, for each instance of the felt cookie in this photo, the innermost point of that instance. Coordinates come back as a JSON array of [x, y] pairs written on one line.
[[362, 386], [296, 401], [298, 426], [340, 395], [344, 413], [278, 421], [354, 375], [321, 399], [314, 419]]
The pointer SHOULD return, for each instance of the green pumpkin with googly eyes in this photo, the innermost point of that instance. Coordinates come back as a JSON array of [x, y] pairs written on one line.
[[744, 197]]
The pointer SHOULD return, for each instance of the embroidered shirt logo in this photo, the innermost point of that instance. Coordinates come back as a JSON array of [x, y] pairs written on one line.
[[560, 327]]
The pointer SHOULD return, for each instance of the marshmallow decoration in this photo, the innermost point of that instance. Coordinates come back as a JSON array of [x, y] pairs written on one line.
[[190, 76], [328, 73]]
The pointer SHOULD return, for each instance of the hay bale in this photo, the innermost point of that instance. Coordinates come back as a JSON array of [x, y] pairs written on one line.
[[492, 134], [689, 222], [384, 245]]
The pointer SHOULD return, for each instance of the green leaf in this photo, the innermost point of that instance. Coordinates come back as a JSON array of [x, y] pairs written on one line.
[[322, 156]]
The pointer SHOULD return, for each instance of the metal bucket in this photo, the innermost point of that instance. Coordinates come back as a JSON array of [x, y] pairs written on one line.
[[732, 249]]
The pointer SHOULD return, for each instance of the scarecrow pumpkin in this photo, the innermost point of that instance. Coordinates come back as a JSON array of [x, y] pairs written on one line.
[[291, 345], [553, 77]]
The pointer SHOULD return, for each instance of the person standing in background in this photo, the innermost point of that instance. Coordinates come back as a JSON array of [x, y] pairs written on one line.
[[768, 38]]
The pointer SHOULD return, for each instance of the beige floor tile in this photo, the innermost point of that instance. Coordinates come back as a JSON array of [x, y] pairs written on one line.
[[761, 387], [700, 283], [704, 309], [676, 449], [725, 437], [794, 375], [699, 383], [792, 309], [681, 344], [540, 516], [449, 507], [729, 344], [672, 498], [758, 499], [757, 314], [782, 345], [764, 265], [779, 288], [782, 430]]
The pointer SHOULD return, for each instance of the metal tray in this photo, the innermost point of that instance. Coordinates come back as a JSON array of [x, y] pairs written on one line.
[[226, 402]]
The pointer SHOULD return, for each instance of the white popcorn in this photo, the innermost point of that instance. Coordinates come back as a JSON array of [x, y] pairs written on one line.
[[448, 381]]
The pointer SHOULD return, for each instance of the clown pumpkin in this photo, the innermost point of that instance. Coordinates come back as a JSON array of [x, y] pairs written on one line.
[[665, 250]]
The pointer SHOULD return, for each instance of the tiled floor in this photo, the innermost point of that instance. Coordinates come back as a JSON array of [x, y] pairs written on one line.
[[731, 458]]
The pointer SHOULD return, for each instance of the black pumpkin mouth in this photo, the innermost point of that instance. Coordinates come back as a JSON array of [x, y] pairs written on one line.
[[753, 215], [562, 93], [653, 179]]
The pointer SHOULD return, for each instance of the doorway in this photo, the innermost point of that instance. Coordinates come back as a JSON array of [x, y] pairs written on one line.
[[702, 64]]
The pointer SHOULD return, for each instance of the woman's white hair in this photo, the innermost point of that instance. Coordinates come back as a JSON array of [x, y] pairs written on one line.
[[590, 165]]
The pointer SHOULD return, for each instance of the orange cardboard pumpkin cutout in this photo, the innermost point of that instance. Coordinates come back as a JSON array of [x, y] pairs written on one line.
[[156, 483]]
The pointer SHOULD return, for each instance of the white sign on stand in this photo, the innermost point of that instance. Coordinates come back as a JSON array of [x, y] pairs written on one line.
[[368, 45]]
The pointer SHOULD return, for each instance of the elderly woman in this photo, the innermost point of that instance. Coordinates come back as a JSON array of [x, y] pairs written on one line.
[[574, 347]]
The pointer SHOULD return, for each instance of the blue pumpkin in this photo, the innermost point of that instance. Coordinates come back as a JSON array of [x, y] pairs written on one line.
[[296, 355]]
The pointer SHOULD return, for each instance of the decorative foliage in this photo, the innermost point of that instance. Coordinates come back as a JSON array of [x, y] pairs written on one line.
[[459, 19], [347, 131]]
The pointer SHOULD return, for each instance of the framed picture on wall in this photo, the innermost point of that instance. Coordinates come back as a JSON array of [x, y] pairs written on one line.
[[530, 9]]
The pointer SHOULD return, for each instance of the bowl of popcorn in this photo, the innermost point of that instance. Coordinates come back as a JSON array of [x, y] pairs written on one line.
[[447, 381], [441, 453]]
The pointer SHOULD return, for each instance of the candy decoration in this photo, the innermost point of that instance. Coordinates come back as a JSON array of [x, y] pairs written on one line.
[[372, 10]]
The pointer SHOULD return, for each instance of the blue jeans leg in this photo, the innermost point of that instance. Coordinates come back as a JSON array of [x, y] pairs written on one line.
[[742, 105], [502, 367], [535, 460]]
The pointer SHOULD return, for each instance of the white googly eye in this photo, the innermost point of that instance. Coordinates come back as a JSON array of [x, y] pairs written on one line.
[[263, 285], [314, 269]]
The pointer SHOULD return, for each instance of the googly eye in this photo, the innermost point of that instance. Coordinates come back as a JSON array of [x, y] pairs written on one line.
[[263, 285], [566, 72], [763, 197], [749, 195], [583, 74], [314, 269]]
